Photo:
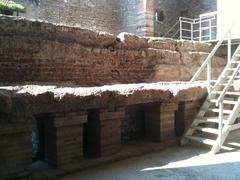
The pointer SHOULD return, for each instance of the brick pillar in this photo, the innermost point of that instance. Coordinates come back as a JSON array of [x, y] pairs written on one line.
[[15, 140], [65, 145], [15, 151], [145, 18], [103, 131], [159, 121], [184, 116], [110, 133]]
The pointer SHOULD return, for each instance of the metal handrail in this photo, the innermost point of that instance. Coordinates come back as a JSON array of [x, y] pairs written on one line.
[[186, 19]]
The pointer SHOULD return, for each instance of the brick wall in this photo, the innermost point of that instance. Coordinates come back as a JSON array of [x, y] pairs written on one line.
[[41, 52], [101, 15], [117, 16]]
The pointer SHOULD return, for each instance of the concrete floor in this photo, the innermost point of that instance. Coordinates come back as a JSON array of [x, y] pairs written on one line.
[[177, 163]]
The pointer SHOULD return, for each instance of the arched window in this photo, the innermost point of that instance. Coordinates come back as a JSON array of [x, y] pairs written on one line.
[[159, 15]]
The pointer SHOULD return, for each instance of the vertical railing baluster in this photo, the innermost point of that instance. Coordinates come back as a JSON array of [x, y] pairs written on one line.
[[209, 74], [220, 123], [229, 46], [180, 28], [210, 30], [192, 31], [200, 30]]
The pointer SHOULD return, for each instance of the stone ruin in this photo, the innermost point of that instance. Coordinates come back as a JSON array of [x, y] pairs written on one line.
[[72, 98]]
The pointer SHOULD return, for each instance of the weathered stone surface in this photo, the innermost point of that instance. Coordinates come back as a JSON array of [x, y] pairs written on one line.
[[47, 99], [163, 72], [131, 41], [193, 46], [193, 57], [162, 43]]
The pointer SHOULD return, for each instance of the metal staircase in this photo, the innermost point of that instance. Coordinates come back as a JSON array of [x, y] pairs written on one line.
[[218, 115]]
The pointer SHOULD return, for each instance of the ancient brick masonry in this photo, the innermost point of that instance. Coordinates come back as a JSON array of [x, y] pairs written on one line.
[[75, 127], [42, 52], [15, 144], [110, 132], [68, 130], [15, 151]]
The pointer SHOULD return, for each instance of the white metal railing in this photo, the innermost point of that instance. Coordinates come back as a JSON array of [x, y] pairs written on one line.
[[203, 28], [208, 26]]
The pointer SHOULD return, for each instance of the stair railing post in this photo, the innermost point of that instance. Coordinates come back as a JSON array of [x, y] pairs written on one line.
[[191, 31], [220, 123], [210, 29], [209, 74], [200, 30], [229, 46], [180, 28]]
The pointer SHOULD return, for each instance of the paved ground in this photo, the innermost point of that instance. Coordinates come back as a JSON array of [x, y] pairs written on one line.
[[178, 163]]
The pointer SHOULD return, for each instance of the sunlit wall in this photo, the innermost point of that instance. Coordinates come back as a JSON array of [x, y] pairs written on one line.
[[228, 10]]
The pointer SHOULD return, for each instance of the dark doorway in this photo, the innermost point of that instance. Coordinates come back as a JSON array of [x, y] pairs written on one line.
[[44, 140], [91, 135], [38, 141]]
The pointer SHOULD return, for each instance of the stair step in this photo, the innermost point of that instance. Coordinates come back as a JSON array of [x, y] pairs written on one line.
[[231, 69], [234, 62], [227, 93], [224, 101], [217, 111], [237, 55], [211, 120], [228, 77], [206, 129], [207, 141], [201, 140], [224, 84], [213, 80]]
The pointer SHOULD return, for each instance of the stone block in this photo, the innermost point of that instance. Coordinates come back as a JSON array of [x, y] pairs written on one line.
[[64, 138]]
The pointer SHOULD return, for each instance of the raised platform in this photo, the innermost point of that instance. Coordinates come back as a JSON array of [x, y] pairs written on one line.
[[73, 128]]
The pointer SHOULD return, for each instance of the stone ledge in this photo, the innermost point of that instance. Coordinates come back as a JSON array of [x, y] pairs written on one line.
[[47, 99]]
